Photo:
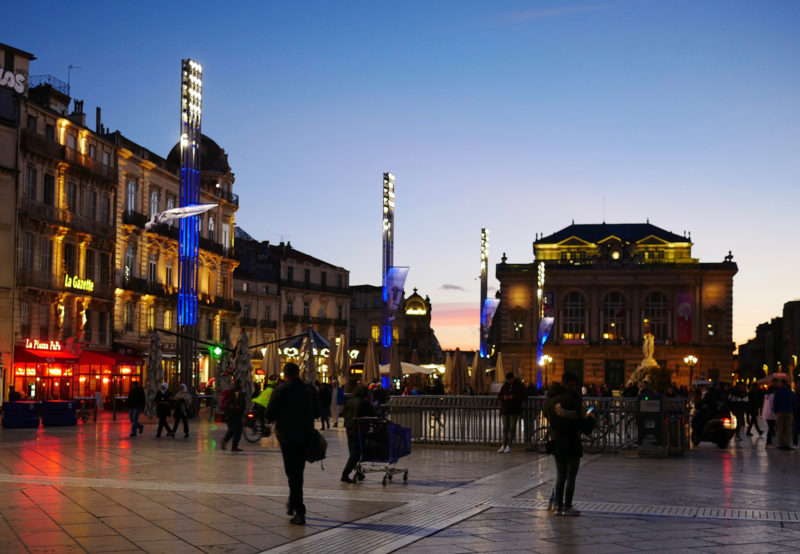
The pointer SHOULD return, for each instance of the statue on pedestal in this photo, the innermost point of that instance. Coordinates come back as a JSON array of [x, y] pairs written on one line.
[[643, 373]]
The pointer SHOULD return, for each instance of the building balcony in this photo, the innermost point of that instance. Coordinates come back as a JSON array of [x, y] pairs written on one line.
[[248, 322], [41, 145], [313, 286], [91, 165], [229, 197], [38, 279], [87, 225], [130, 217], [291, 318], [268, 324], [169, 231], [41, 211], [340, 323]]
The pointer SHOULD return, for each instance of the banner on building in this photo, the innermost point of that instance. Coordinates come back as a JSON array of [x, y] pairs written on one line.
[[395, 283], [488, 310], [684, 334]]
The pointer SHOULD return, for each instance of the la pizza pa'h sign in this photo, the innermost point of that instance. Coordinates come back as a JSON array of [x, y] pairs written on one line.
[[46, 345]]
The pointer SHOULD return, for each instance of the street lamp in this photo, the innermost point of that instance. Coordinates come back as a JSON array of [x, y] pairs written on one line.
[[690, 361], [545, 361]]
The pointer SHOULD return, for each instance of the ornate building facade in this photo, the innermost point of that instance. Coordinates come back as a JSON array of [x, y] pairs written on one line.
[[605, 286], [85, 282], [283, 291], [147, 274], [412, 326]]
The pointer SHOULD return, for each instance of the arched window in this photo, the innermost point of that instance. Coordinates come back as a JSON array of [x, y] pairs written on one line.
[[655, 315], [613, 317], [573, 317]]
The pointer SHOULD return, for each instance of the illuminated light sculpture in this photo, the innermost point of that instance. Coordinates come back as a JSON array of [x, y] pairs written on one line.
[[393, 278], [488, 305], [189, 227]]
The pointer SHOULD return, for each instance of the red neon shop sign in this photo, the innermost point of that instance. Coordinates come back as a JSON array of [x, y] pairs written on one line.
[[45, 345]]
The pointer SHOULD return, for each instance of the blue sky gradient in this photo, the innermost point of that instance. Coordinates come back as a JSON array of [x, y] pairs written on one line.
[[515, 116]]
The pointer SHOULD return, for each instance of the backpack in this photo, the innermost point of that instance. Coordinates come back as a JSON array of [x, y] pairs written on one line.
[[225, 401], [316, 448]]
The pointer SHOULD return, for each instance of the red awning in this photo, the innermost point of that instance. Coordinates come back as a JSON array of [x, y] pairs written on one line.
[[24, 356], [107, 357]]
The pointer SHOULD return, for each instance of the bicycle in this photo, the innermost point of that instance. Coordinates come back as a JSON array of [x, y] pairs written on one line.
[[539, 439], [83, 411], [255, 428]]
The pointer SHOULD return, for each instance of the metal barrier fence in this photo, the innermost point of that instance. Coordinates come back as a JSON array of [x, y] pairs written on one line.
[[476, 420]]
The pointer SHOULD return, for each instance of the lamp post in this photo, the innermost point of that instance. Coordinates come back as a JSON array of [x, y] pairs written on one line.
[[690, 361], [546, 361]]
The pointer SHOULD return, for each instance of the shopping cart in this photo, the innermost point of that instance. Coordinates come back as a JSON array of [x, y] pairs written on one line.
[[382, 444]]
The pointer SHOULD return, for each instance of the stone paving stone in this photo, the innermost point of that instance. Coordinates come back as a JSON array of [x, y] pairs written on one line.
[[88, 530], [105, 544], [175, 546], [147, 532], [205, 537], [60, 549], [44, 538], [262, 540]]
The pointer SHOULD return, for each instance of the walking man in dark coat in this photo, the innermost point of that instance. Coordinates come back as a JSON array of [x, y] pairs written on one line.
[[136, 403], [293, 407]]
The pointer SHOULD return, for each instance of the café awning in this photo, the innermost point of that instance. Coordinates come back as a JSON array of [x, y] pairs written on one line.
[[23, 355], [108, 357]]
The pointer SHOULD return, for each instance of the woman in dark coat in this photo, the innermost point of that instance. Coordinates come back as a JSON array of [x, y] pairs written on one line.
[[564, 411]]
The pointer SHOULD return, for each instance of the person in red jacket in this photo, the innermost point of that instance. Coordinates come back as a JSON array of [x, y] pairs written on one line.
[[511, 396]]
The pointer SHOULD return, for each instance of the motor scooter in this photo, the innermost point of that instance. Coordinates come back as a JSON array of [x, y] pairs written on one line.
[[717, 427]]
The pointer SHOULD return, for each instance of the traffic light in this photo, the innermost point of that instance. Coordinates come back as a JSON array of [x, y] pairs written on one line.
[[215, 351]]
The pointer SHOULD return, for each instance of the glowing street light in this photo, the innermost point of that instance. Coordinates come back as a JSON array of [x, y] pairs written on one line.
[[545, 362], [690, 361]]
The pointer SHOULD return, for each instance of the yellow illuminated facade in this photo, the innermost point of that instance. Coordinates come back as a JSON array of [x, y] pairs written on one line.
[[607, 285], [147, 275], [65, 254]]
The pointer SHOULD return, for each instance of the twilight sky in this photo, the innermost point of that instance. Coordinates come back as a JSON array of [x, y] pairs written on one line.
[[515, 116]]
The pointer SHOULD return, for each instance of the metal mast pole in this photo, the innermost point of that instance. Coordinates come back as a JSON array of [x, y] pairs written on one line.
[[388, 262], [484, 287], [188, 227]]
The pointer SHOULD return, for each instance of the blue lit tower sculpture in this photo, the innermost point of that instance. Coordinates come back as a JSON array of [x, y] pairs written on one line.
[[484, 288], [191, 103], [388, 262]]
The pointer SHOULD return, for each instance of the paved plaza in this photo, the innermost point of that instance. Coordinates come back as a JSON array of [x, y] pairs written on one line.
[[91, 488]]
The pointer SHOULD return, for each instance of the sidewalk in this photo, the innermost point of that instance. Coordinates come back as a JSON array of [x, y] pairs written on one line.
[[92, 488]]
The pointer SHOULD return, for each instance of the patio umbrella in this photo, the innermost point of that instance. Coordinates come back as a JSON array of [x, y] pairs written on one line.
[[499, 372], [395, 370], [448, 371], [768, 379], [408, 369], [342, 359], [243, 367], [308, 367], [276, 360], [478, 380], [331, 375], [223, 376], [370, 372], [458, 378], [155, 374]]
